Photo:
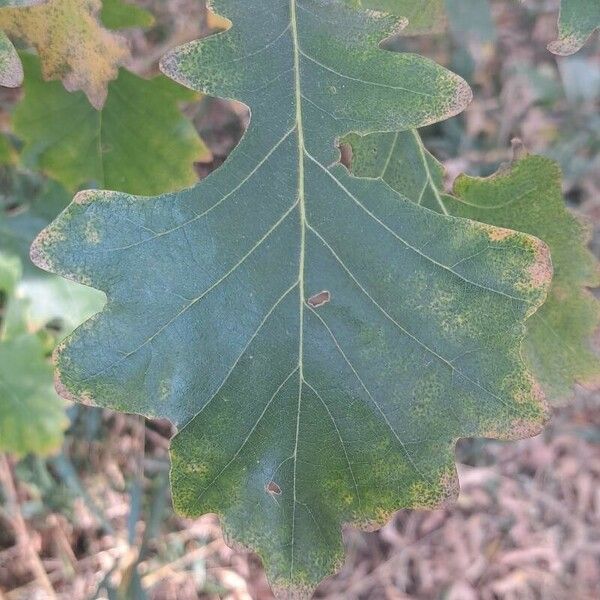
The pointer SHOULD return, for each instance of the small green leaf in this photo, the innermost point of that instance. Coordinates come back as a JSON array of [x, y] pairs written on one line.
[[119, 14], [8, 154], [578, 20], [32, 416], [319, 340], [527, 197], [10, 273], [139, 142]]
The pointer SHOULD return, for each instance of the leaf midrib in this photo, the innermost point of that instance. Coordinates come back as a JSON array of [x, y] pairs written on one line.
[[302, 212]]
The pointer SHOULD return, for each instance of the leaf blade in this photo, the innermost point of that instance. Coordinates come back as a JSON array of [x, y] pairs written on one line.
[[262, 384]]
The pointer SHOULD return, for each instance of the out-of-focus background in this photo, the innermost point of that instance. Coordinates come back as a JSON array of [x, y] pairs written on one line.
[[95, 520]]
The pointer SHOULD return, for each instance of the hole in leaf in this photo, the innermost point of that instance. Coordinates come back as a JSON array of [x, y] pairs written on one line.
[[319, 299], [273, 488]]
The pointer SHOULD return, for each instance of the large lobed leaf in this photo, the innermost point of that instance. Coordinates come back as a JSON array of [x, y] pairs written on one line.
[[526, 197], [139, 142], [577, 21], [72, 44], [320, 340]]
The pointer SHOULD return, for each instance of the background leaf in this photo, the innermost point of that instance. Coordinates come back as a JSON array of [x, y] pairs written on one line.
[[119, 14], [578, 20], [32, 415], [71, 43], [139, 142], [308, 331], [527, 197]]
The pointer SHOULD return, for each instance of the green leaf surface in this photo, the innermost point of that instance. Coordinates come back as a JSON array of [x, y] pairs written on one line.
[[117, 14], [578, 20], [320, 341], [526, 197], [10, 273], [139, 142]]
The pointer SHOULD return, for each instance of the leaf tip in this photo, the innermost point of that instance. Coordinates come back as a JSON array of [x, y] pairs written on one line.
[[565, 46]]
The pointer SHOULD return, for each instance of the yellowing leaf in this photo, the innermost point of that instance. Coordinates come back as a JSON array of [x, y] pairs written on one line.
[[527, 197], [11, 71], [117, 14], [72, 44]]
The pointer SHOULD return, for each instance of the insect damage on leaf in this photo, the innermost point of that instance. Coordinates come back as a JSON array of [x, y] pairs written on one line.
[[352, 408], [525, 197], [71, 42], [578, 20]]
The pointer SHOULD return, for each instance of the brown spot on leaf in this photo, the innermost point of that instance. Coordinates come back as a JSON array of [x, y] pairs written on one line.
[[273, 488], [497, 234], [541, 271], [319, 299], [346, 155]]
